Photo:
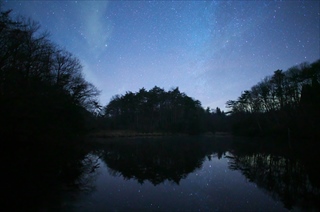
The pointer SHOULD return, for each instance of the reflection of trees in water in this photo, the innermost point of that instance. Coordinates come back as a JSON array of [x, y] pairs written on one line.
[[86, 172], [36, 176], [157, 160], [283, 178]]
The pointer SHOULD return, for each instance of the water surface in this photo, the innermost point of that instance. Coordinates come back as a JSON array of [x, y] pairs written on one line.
[[193, 174]]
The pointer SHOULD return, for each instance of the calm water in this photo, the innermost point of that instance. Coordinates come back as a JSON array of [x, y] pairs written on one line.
[[193, 174]]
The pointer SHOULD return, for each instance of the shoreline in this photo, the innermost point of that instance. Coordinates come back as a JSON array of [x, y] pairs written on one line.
[[129, 134], [126, 134]]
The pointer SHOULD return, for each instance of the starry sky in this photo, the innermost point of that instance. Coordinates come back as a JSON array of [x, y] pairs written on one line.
[[211, 50]]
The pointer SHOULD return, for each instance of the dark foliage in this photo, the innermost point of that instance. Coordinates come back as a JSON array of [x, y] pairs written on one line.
[[286, 103], [158, 110], [42, 91], [44, 105]]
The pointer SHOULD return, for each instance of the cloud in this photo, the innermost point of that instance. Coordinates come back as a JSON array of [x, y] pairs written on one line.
[[96, 28]]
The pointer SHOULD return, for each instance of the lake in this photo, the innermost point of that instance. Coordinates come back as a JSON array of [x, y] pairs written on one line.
[[194, 174]]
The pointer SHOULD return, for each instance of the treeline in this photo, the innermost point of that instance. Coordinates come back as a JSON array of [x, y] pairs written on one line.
[[286, 103], [158, 110], [43, 93], [45, 103]]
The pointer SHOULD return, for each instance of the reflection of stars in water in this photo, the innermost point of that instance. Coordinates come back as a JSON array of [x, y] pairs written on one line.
[[211, 187]]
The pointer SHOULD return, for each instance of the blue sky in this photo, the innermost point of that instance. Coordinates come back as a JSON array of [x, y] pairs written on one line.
[[211, 50]]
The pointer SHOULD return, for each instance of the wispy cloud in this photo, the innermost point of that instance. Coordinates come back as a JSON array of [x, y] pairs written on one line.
[[97, 29]]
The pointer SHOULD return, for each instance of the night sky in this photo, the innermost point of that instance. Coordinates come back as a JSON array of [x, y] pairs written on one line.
[[211, 50]]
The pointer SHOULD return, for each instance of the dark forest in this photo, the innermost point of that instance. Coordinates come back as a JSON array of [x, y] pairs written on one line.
[[285, 103]]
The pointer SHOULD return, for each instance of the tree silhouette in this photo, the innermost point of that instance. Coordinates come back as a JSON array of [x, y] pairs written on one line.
[[286, 101], [42, 90], [44, 105], [156, 110]]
